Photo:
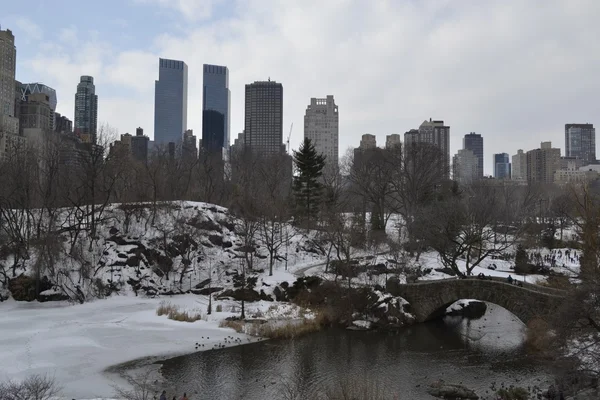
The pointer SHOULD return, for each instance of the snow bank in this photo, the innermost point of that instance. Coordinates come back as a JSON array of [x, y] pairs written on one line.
[[75, 344]]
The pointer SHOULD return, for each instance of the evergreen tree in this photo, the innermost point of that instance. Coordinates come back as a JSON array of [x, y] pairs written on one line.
[[521, 260], [307, 187]]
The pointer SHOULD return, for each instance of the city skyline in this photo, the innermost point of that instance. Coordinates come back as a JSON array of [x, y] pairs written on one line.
[[500, 94]]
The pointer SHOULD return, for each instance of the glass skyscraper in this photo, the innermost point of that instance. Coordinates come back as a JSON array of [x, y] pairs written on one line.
[[216, 103], [502, 166], [170, 102], [474, 142], [86, 109]]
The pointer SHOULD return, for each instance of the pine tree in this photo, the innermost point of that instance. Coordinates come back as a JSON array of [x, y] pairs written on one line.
[[307, 187]]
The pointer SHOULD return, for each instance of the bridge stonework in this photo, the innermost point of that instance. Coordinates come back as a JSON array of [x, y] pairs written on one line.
[[429, 300]]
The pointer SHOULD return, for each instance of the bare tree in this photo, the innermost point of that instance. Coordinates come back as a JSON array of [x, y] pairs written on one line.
[[467, 227], [34, 387], [142, 388]]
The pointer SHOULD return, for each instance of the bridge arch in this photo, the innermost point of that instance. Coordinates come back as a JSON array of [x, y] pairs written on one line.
[[428, 298]]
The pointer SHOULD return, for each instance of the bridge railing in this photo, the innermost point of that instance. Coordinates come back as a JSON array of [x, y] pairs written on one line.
[[525, 285]]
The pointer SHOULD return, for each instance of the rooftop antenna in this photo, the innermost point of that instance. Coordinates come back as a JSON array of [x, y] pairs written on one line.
[[269, 79], [288, 138]]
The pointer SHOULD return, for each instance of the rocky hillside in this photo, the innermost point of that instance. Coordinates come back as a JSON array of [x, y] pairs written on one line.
[[139, 249]]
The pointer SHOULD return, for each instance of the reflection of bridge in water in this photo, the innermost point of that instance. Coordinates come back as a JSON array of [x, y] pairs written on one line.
[[429, 299]]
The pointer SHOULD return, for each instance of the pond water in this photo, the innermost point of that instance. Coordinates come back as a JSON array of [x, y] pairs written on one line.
[[476, 353]]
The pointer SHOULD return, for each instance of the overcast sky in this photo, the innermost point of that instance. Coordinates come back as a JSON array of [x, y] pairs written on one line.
[[514, 71]]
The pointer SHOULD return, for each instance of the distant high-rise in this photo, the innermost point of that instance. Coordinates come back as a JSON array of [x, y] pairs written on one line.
[[189, 145], [62, 124], [33, 88], [216, 103], [432, 132], [86, 109], [501, 166], [263, 120], [474, 142], [542, 163], [465, 166], [392, 141], [519, 166], [139, 145], [321, 126], [8, 64], [580, 142], [170, 102], [368, 141]]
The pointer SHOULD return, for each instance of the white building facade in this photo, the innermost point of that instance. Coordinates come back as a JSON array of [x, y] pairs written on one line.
[[321, 126]]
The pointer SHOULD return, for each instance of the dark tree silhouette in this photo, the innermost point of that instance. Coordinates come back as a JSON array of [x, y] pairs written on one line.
[[307, 187]]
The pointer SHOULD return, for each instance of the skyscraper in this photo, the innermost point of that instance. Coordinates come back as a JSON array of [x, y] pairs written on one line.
[[435, 133], [86, 109], [501, 166], [542, 163], [216, 103], [321, 127], [519, 166], [464, 166], [392, 141], [580, 142], [263, 121], [33, 88], [8, 64], [474, 142], [170, 102]]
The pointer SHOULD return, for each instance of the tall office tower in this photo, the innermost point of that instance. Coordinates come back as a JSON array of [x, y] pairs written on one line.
[[170, 102], [502, 166], [474, 142], [8, 64], [542, 163], [465, 165], [368, 141], [216, 104], [392, 141], [580, 142], [432, 132], [33, 88], [263, 120], [86, 110], [139, 145], [519, 166], [321, 126]]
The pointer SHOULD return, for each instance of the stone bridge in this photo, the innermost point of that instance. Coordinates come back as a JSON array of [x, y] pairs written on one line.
[[429, 299]]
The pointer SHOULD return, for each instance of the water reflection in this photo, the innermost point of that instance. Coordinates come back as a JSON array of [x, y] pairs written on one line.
[[475, 353]]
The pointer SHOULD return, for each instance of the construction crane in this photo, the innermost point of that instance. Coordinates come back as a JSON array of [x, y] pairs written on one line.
[[288, 139]]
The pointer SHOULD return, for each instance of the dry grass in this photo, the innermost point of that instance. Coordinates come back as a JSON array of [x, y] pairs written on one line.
[[176, 314], [557, 282], [272, 330], [165, 307]]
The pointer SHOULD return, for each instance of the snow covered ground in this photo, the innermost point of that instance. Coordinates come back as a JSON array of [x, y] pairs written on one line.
[[76, 343]]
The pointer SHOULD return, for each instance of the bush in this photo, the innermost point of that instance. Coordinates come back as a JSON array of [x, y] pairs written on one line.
[[219, 308], [271, 330], [539, 338], [34, 387]]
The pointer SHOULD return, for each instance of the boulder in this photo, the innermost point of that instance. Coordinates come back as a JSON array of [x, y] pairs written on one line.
[[445, 390], [207, 291], [202, 284]]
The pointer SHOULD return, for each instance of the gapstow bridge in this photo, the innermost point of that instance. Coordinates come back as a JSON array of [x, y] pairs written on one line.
[[429, 299]]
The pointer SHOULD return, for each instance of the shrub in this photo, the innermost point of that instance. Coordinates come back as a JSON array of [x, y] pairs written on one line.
[[219, 308], [285, 330], [539, 338]]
